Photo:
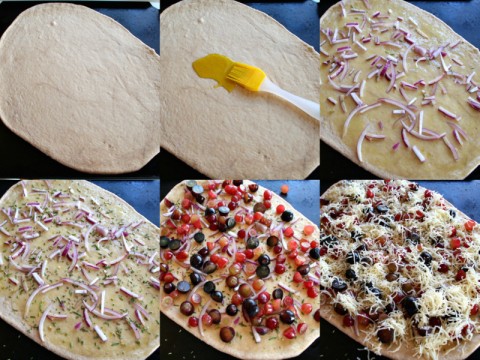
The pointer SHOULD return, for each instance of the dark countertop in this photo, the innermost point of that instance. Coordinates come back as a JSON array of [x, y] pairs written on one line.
[[464, 195], [299, 17], [462, 16], [142, 20], [175, 343], [144, 197]]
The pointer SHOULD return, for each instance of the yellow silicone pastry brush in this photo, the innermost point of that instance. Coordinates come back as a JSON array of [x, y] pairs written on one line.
[[254, 79]]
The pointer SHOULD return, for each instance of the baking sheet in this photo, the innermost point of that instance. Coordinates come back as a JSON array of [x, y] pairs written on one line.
[[19, 158], [461, 16], [465, 196], [299, 17], [176, 343], [144, 196]]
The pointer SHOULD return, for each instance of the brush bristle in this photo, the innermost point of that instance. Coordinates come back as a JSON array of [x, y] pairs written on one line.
[[248, 76]]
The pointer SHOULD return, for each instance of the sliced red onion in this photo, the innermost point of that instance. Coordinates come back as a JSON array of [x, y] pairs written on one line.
[[457, 137], [42, 322], [473, 103], [451, 147], [86, 317], [32, 296], [129, 292], [74, 259], [418, 154], [204, 310], [405, 138], [400, 105], [135, 329], [285, 287], [392, 80], [437, 79], [100, 333], [447, 113], [54, 317]]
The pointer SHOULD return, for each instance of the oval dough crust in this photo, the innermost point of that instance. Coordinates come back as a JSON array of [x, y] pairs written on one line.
[[239, 134], [81, 88]]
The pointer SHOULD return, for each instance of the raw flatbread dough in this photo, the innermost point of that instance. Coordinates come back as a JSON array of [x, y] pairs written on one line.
[[239, 134], [82, 344], [378, 156], [81, 88]]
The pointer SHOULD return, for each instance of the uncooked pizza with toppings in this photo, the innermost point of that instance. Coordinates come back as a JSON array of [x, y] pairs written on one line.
[[79, 270], [239, 268], [399, 269]]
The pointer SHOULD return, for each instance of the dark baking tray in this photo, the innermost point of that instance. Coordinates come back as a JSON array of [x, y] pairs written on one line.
[[299, 17], [20, 159], [465, 196], [144, 197], [461, 16], [176, 343]]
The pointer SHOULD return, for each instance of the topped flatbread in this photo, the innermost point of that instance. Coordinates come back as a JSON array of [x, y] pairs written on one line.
[[399, 268], [81, 88], [239, 269], [400, 90], [79, 271]]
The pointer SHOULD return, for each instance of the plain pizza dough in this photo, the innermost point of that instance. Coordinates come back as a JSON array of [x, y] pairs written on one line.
[[81, 88], [378, 157], [238, 134]]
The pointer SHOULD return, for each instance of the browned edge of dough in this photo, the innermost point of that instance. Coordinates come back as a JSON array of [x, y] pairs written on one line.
[[215, 341], [329, 136], [27, 331], [406, 350]]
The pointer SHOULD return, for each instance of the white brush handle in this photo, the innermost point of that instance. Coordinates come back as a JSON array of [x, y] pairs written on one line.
[[309, 107]]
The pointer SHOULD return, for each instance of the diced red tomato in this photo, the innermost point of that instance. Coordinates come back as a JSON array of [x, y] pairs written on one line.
[[469, 225]]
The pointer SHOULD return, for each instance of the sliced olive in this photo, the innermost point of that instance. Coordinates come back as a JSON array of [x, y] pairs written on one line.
[[339, 285], [410, 305], [217, 296], [199, 237], [277, 294], [377, 292], [390, 307], [252, 243], [230, 223], [169, 288], [262, 271], [339, 309], [247, 198], [215, 315], [237, 182], [223, 210], [264, 259], [203, 252], [232, 281], [452, 213], [244, 290], [329, 241], [303, 269], [414, 238], [183, 287], [350, 274], [196, 261], [174, 245], [227, 334], [424, 331], [353, 257], [253, 187], [251, 307], [426, 258], [272, 241], [287, 317], [209, 267], [385, 335], [315, 253], [259, 207], [197, 190], [164, 267], [232, 310], [186, 308], [287, 216], [382, 209], [164, 241], [407, 287], [392, 277], [190, 184], [392, 267], [209, 211], [200, 198], [195, 278], [209, 287]]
